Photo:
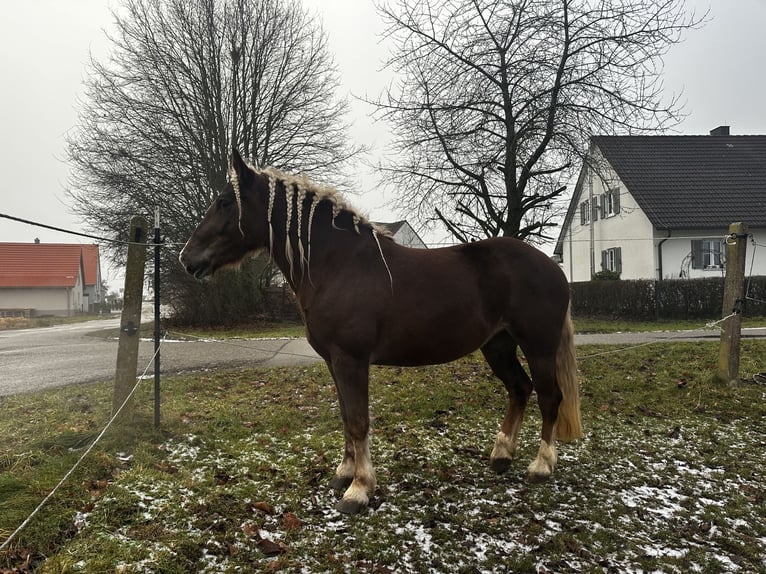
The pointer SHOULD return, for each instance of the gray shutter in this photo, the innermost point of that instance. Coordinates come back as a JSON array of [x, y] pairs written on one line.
[[603, 260], [697, 259], [594, 208], [604, 203], [582, 213], [618, 259], [616, 200]]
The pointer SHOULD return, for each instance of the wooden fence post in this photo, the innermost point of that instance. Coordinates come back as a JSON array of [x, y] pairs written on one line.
[[130, 321], [733, 300]]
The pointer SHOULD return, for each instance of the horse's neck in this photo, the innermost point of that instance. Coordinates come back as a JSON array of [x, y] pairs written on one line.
[[296, 219], [304, 234]]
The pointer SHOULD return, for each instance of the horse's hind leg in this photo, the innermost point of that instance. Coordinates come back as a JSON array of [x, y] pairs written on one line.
[[500, 353], [549, 397]]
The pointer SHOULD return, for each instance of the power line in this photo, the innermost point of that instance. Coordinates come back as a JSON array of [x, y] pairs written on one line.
[[43, 225], [69, 231]]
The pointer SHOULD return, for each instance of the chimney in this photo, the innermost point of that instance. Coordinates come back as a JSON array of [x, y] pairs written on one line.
[[37, 241], [720, 131]]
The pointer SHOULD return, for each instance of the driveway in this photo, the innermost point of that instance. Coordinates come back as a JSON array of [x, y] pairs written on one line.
[[35, 359]]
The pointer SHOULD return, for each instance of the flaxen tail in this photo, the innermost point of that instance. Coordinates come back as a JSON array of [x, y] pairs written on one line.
[[569, 424]]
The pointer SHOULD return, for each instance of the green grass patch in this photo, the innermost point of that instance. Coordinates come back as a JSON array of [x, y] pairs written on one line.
[[668, 477]]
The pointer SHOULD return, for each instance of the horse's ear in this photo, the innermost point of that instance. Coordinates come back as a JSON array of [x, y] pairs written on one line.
[[240, 169]]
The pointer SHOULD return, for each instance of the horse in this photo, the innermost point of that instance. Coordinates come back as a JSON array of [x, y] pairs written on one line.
[[366, 300]]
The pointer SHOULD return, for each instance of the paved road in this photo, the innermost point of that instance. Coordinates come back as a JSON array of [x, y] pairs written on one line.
[[34, 359]]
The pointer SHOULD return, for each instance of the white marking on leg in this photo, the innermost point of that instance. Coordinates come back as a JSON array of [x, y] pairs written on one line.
[[542, 466], [363, 485], [505, 446], [345, 468]]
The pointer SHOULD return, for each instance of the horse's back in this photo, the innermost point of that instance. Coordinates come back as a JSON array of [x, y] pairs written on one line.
[[448, 302]]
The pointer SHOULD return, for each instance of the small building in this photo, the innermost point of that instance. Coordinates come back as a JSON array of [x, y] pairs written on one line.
[[403, 233], [659, 207], [39, 279]]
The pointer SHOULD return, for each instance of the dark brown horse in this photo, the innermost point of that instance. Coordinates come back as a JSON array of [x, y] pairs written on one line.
[[367, 300]]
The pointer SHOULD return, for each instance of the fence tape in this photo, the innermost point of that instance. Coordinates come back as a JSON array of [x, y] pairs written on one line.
[[50, 495]]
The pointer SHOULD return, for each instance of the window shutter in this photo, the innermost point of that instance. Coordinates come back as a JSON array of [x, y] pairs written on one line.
[[604, 255], [616, 200], [595, 208], [582, 213], [697, 259], [618, 259], [604, 206]]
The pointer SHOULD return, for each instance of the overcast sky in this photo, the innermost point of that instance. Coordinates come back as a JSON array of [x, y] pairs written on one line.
[[45, 47]]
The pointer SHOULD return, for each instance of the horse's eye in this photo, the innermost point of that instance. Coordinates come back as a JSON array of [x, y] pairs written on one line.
[[223, 202]]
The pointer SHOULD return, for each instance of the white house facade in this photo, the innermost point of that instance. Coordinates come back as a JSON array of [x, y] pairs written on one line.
[[659, 207]]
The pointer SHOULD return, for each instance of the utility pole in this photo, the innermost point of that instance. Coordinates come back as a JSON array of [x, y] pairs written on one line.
[[733, 300]]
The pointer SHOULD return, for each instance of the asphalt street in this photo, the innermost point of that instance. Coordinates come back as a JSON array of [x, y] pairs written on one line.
[[35, 359]]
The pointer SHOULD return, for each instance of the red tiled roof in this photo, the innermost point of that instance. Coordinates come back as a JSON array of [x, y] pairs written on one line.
[[46, 264], [90, 263]]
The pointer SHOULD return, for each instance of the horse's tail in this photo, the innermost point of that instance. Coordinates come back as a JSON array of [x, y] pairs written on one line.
[[569, 424]]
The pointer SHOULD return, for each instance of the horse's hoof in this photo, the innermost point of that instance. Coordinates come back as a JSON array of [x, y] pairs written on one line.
[[340, 483], [537, 477], [348, 506], [500, 465]]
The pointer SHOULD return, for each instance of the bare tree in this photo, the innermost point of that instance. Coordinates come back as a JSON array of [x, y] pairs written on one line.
[[497, 100], [186, 82]]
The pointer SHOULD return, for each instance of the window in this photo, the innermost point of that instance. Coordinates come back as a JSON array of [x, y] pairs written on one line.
[[708, 254], [589, 210], [610, 203], [585, 212], [611, 259]]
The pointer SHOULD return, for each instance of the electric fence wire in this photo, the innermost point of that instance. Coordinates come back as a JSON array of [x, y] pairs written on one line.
[[79, 461]]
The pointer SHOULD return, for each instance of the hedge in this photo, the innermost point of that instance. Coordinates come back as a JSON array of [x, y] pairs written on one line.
[[669, 299]]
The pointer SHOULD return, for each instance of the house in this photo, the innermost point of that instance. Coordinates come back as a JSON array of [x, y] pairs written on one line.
[[402, 233], [49, 279], [659, 207]]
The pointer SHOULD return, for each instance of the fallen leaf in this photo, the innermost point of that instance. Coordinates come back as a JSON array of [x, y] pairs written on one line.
[[270, 548], [251, 530], [264, 507], [290, 521]]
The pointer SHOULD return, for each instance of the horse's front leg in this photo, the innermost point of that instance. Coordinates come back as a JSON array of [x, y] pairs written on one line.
[[344, 474], [355, 470]]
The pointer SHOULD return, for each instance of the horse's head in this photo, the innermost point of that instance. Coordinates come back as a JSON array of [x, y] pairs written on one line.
[[231, 228]]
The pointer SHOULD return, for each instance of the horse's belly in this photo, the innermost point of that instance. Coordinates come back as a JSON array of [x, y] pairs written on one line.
[[429, 346]]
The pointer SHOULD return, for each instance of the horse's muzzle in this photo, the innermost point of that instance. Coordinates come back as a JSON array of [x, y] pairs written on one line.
[[197, 269]]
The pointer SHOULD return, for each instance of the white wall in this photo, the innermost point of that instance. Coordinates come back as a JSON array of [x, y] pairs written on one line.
[[677, 248], [630, 230], [61, 301]]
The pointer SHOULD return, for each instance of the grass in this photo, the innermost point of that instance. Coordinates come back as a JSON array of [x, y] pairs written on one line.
[[667, 479]]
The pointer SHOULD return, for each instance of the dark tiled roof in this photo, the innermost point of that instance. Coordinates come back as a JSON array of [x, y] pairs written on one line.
[[688, 182]]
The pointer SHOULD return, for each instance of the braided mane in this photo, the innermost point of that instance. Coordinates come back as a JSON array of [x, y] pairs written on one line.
[[299, 188]]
